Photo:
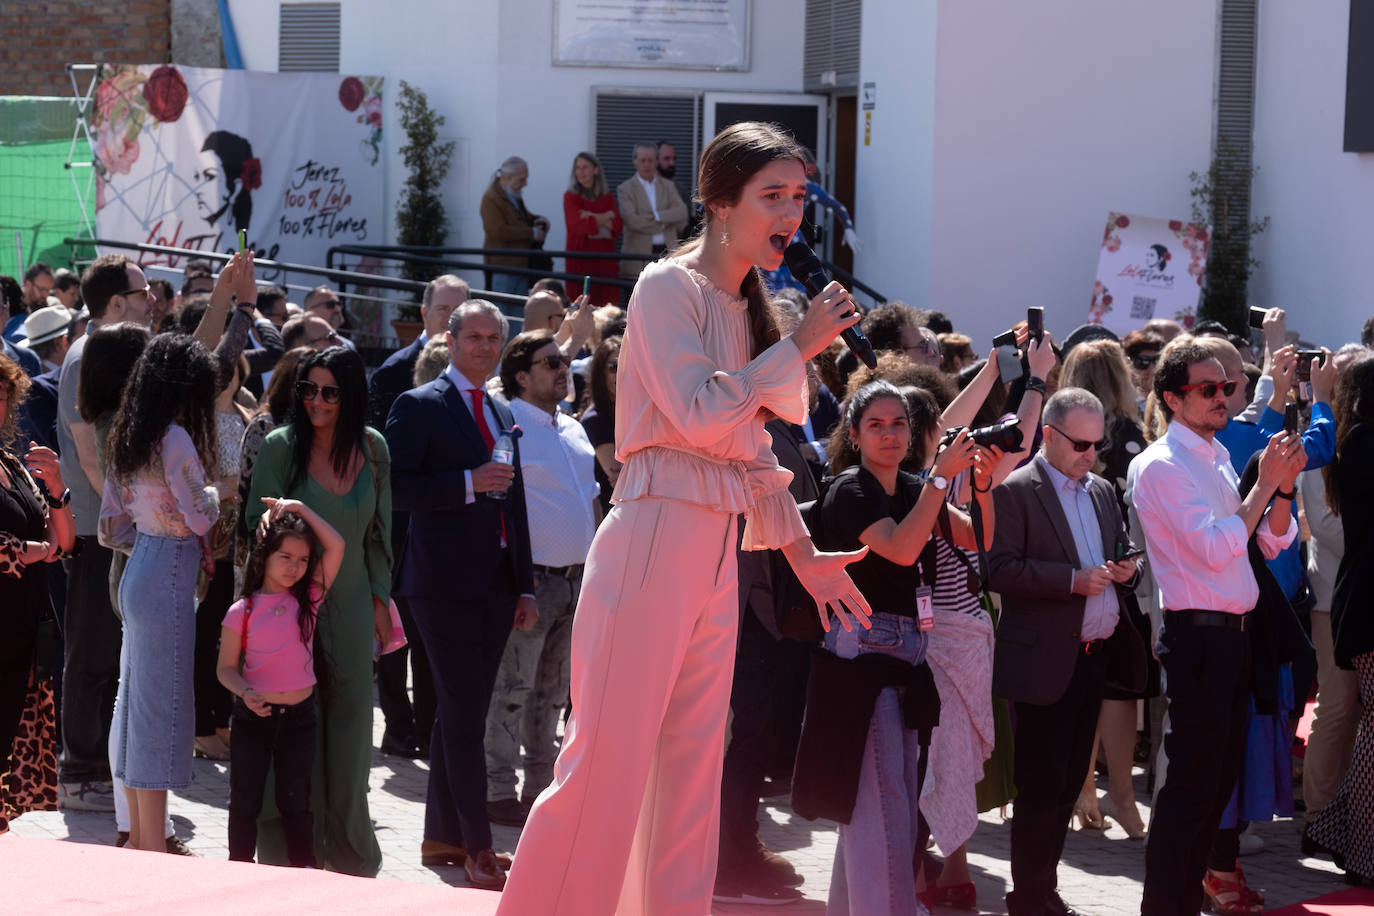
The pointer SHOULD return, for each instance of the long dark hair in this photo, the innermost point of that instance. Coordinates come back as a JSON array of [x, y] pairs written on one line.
[[1354, 403], [288, 524], [281, 391], [734, 156], [174, 381], [350, 430], [598, 394], [107, 364]]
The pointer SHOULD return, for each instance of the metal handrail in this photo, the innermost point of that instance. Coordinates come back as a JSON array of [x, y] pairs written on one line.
[[530, 272], [443, 249]]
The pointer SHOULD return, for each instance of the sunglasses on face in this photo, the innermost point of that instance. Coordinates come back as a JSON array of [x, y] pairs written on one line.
[[308, 391], [1209, 389], [1144, 362], [553, 362], [1080, 445]]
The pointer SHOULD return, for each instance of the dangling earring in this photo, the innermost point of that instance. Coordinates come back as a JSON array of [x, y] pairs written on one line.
[[725, 236]]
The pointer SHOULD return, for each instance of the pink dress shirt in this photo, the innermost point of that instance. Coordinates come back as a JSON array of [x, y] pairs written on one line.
[[698, 434], [1183, 489]]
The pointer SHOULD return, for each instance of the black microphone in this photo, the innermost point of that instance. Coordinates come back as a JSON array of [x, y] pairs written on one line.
[[806, 267]]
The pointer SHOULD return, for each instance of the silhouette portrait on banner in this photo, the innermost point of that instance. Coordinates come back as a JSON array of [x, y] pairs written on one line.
[[241, 172]]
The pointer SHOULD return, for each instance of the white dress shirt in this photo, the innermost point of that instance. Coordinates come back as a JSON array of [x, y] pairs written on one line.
[[1100, 611], [1183, 489], [649, 191], [557, 461], [465, 388]]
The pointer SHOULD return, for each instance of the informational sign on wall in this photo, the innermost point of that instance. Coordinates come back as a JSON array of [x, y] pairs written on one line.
[[186, 157], [667, 34], [1148, 268]]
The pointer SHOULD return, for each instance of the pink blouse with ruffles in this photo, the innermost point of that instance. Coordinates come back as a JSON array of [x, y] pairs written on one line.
[[689, 399], [167, 498]]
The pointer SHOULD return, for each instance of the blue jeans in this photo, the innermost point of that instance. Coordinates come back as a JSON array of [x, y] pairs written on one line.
[[873, 861], [157, 595]]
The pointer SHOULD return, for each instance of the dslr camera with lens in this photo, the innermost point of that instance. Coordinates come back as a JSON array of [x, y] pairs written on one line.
[[1005, 435]]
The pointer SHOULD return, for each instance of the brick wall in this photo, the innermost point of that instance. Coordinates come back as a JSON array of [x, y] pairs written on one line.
[[39, 40]]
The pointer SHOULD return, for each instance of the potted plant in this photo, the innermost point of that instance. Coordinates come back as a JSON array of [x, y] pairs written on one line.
[[420, 216]]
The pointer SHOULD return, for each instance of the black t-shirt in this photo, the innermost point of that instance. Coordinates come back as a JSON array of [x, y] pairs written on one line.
[[600, 430], [854, 501]]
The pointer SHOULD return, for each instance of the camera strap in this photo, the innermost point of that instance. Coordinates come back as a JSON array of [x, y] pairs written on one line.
[[977, 575]]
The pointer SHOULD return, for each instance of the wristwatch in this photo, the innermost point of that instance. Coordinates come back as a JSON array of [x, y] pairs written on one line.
[[938, 483], [59, 502]]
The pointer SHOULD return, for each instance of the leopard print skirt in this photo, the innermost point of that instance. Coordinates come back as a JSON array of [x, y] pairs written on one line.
[[31, 782]]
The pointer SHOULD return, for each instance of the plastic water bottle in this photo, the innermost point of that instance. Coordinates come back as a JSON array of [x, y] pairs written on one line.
[[504, 452]]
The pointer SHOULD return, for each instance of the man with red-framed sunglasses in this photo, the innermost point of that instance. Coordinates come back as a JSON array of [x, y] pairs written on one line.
[[1197, 532]]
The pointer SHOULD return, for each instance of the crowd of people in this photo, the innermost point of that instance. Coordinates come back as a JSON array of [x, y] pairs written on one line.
[[907, 594]]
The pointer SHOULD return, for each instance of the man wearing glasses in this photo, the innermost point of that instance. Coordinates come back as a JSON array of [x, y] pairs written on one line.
[[114, 289], [1197, 531], [1062, 562], [323, 302], [562, 500]]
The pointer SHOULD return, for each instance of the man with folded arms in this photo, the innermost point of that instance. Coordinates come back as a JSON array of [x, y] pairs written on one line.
[[1197, 530], [563, 507]]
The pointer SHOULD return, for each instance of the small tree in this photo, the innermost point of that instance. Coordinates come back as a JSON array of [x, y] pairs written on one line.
[[1221, 198], [420, 217]]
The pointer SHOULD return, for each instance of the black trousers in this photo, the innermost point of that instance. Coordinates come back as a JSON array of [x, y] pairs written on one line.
[[406, 719], [763, 667], [284, 743], [464, 640], [90, 670], [1207, 678], [213, 702], [1053, 746]]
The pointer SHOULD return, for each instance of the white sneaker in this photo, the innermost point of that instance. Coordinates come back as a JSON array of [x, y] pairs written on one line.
[[1250, 843], [86, 796]]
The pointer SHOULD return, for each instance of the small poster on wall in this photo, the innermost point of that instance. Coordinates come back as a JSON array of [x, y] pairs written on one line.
[[667, 34], [1148, 268]]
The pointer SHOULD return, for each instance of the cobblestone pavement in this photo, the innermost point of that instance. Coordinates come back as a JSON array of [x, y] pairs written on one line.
[[1100, 873]]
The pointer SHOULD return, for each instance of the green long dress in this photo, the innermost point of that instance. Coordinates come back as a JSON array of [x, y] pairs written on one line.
[[344, 838]]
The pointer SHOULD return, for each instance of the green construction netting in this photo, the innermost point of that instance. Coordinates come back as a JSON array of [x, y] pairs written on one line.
[[38, 201]]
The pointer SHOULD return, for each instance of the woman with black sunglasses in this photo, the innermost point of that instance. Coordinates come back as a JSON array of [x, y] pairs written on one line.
[[329, 459]]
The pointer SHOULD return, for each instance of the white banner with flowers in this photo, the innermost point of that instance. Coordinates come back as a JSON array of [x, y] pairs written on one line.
[[1148, 268], [187, 157]]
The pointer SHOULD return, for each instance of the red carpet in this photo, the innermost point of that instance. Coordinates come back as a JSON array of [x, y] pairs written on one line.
[[54, 877], [1355, 901]]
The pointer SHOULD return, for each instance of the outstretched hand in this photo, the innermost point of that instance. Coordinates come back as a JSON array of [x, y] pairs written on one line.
[[824, 577]]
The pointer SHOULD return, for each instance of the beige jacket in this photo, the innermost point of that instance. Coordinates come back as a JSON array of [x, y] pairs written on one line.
[[640, 223]]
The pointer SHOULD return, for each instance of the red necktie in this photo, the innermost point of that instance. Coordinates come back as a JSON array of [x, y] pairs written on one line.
[[485, 430], [481, 416]]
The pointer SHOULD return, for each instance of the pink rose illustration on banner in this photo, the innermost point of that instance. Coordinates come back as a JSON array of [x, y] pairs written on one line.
[[351, 93], [1113, 243], [165, 93], [1122, 222], [373, 110], [115, 150], [252, 174]]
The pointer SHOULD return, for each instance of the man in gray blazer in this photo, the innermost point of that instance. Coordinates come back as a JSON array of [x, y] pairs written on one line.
[[652, 208], [1064, 625]]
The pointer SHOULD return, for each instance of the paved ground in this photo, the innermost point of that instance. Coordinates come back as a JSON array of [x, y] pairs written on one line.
[[1099, 874]]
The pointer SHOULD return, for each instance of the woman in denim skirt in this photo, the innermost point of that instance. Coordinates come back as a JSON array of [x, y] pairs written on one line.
[[873, 503], [156, 507]]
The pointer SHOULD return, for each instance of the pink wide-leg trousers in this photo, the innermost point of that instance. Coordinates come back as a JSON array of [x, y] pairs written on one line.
[[630, 824]]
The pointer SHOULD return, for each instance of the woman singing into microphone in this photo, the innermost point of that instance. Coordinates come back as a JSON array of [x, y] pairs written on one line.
[[630, 823]]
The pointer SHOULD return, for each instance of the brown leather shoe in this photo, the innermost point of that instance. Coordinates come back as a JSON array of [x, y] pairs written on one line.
[[436, 852], [484, 872]]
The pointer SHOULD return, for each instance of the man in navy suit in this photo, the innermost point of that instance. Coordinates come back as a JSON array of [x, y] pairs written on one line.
[[467, 572], [408, 726]]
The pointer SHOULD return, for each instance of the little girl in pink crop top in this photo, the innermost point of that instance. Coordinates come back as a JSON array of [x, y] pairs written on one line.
[[266, 659]]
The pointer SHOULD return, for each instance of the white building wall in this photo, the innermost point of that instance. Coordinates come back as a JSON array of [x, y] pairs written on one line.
[[894, 172], [486, 65], [1314, 259]]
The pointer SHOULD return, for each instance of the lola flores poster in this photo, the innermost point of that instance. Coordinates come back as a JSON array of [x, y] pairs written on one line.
[[186, 157], [1148, 268]]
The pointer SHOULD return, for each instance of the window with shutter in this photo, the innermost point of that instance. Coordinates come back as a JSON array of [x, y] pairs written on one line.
[[831, 55], [308, 38], [1234, 143], [625, 117]]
